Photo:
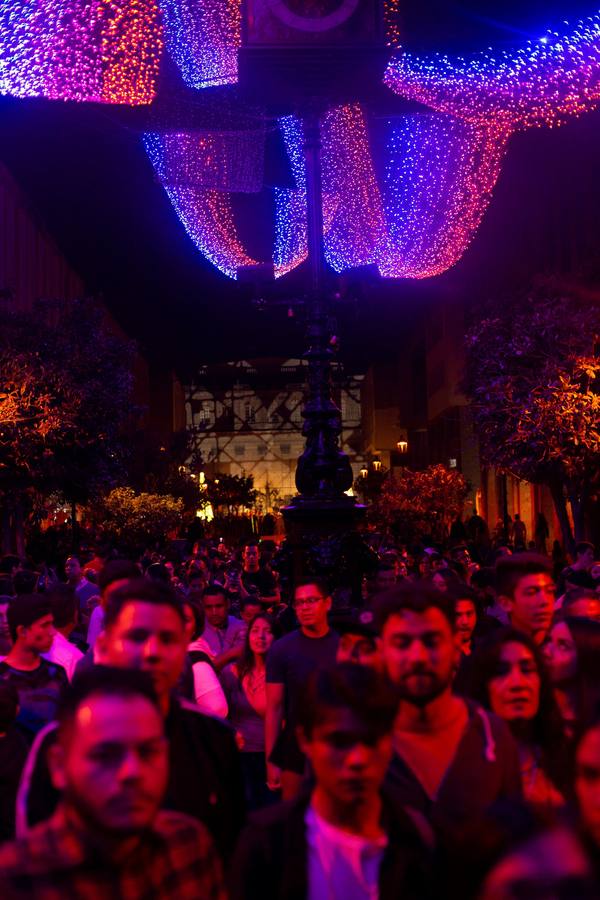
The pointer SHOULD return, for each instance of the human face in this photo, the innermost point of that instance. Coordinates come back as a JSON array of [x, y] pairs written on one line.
[[587, 782], [515, 690], [358, 648], [251, 558], [216, 609], [420, 653], [439, 582], [250, 610], [560, 654], [112, 763], [311, 607], [190, 622], [39, 635], [586, 558], [465, 618], [348, 761], [532, 605], [150, 637], [72, 569], [260, 637]]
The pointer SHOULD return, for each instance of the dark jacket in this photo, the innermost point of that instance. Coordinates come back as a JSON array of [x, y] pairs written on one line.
[[205, 777], [271, 861], [478, 792], [485, 770]]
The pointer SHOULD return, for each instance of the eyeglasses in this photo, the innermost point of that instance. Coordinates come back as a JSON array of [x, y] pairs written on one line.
[[306, 601]]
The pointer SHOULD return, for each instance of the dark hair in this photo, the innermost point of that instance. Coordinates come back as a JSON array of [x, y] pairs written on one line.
[[320, 584], [582, 546], [198, 616], [250, 600], [63, 604], [449, 576], [212, 590], [246, 661], [141, 590], [510, 570], [586, 637], [116, 570], [581, 579], [347, 686], [459, 592], [417, 598], [25, 581], [104, 681], [25, 609], [547, 731], [9, 705]]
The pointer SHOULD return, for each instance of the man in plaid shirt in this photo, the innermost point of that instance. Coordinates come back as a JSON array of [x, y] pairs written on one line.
[[107, 837]]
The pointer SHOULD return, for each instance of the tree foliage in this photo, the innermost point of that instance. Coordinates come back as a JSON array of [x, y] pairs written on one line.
[[532, 375], [65, 401], [420, 503], [136, 520], [231, 494]]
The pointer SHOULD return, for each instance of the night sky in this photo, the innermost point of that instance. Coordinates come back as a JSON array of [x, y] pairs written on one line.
[[86, 173]]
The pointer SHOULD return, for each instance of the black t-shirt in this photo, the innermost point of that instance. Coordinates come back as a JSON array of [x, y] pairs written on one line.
[[39, 691], [13, 753], [293, 659], [263, 581]]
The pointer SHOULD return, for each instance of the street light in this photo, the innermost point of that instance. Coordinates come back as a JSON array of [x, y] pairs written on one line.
[[376, 464], [364, 471], [402, 447]]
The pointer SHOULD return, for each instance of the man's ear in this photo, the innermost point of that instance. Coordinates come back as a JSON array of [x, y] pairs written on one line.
[[56, 764], [507, 603]]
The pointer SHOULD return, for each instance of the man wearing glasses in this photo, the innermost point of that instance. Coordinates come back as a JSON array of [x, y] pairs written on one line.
[[290, 662]]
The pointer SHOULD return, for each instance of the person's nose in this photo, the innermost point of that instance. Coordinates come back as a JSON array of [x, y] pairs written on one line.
[[358, 756], [515, 678], [129, 770], [152, 647], [417, 652]]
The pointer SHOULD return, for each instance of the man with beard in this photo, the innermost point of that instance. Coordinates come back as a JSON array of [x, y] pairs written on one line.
[[107, 837], [144, 630], [453, 760]]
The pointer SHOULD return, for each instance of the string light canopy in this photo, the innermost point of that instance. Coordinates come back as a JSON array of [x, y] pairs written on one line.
[[203, 39], [104, 51], [544, 83]]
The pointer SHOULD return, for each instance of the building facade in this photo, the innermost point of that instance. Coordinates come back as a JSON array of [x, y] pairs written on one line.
[[246, 418]]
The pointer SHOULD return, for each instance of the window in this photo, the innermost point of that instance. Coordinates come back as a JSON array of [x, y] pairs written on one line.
[[239, 450], [285, 449]]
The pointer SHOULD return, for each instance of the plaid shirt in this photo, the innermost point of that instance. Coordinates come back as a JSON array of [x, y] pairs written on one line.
[[176, 860]]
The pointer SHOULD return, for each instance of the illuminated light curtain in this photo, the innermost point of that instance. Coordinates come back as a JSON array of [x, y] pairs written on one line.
[[544, 83], [291, 246], [104, 51], [203, 38], [355, 226], [205, 212], [224, 161], [438, 181]]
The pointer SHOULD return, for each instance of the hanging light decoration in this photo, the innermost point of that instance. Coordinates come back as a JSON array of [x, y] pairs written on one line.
[[544, 83], [203, 39], [104, 51]]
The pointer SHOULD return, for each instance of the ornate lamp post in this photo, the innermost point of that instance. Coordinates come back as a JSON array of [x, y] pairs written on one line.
[[306, 56]]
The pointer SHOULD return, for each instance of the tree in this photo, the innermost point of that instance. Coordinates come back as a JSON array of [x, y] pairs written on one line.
[[420, 503], [136, 521], [231, 494], [65, 405], [532, 375]]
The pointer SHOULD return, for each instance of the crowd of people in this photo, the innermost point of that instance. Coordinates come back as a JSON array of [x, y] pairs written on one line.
[[186, 726]]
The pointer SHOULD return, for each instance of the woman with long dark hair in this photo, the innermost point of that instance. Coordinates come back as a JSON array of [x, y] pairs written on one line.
[[572, 657], [245, 685], [509, 678]]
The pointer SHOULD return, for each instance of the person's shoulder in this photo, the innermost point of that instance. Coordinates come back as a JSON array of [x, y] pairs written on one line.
[[173, 826]]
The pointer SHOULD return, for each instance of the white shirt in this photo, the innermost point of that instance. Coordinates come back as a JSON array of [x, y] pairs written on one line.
[[64, 653], [95, 626], [208, 692], [341, 866]]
